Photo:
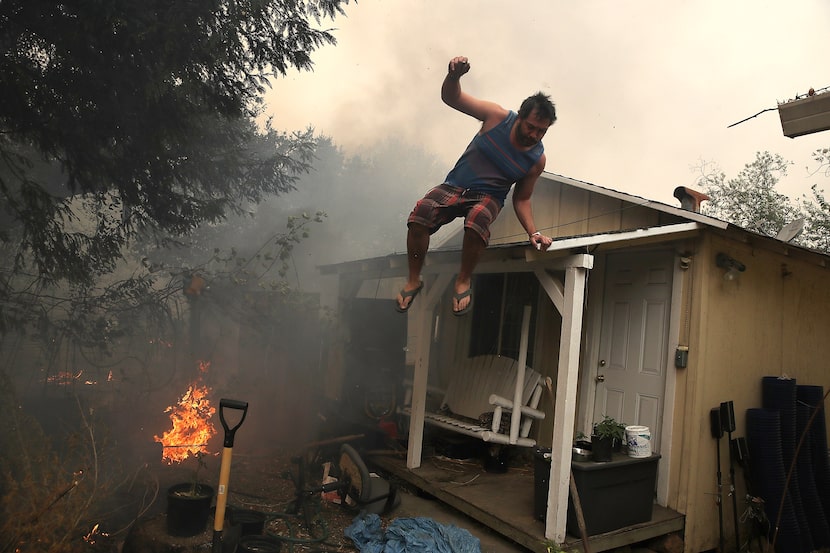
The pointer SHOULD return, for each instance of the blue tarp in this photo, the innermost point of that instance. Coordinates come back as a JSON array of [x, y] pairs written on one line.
[[409, 535]]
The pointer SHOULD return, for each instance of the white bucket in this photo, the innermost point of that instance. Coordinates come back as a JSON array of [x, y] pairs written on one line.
[[638, 439]]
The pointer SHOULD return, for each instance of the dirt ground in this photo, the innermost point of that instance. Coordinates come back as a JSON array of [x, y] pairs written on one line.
[[270, 483], [284, 485], [279, 480]]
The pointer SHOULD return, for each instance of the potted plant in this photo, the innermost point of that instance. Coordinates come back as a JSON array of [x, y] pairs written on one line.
[[581, 451], [188, 504], [581, 440], [606, 433]]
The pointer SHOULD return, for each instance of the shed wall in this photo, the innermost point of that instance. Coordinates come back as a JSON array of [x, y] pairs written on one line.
[[773, 320]]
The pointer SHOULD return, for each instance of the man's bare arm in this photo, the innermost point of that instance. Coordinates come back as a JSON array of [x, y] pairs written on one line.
[[489, 113], [522, 205]]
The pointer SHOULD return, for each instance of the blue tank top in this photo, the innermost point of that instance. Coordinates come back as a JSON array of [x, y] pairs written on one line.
[[491, 164]]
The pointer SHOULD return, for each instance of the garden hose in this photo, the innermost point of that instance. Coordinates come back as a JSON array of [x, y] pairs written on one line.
[[292, 539]]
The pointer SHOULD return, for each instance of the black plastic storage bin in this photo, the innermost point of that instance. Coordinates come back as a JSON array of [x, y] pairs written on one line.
[[614, 494]]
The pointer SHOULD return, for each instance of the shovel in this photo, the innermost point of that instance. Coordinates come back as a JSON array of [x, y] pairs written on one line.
[[225, 468]]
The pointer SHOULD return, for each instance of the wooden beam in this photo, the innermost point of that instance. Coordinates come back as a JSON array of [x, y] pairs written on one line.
[[530, 260], [554, 288], [627, 238]]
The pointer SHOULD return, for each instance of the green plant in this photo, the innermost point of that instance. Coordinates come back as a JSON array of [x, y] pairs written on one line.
[[553, 547], [580, 436], [196, 486], [608, 427]]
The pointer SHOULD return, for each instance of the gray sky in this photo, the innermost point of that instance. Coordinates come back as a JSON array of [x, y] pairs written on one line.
[[644, 89]]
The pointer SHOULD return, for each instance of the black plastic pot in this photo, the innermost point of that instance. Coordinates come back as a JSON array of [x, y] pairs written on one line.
[[583, 444], [258, 544], [496, 460], [602, 448], [188, 513]]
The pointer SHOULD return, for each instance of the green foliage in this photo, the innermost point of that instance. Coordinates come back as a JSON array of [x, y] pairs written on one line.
[[195, 483], [750, 199], [122, 118], [90, 317], [822, 157], [608, 427], [146, 302], [553, 547], [816, 232], [817, 209]]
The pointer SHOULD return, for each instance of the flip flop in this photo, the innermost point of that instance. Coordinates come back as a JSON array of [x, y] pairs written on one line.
[[407, 294], [461, 296]]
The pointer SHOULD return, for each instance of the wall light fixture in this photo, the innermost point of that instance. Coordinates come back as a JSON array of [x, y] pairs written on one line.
[[732, 266]]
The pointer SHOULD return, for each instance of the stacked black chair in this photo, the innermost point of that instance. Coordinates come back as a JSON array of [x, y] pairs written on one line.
[[810, 398], [810, 499], [763, 436], [779, 393]]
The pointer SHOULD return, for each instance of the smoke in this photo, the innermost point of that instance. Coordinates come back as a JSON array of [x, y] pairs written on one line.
[[643, 90], [366, 198]]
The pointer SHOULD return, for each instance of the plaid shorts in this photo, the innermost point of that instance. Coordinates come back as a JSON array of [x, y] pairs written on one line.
[[445, 203]]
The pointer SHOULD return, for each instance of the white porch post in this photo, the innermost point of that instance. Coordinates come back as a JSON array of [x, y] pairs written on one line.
[[421, 315], [565, 410], [516, 415]]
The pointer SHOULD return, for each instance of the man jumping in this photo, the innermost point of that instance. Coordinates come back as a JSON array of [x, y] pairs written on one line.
[[507, 150]]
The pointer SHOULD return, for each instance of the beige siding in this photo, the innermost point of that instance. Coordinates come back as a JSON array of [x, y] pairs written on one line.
[[564, 211], [574, 212], [772, 320], [606, 214]]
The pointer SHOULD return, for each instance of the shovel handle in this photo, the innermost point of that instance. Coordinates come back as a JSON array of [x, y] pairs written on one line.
[[225, 468], [231, 404]]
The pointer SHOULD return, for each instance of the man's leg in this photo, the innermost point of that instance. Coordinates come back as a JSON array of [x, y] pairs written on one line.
[[417, 244], [471, 250]]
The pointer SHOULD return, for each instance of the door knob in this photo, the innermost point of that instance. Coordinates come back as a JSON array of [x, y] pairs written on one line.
[[602, 362]]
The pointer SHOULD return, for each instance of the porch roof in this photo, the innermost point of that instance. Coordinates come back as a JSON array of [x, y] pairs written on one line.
[[514, 256], [638, 200]]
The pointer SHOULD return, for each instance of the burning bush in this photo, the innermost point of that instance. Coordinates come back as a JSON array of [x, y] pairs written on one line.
[[192, 426]]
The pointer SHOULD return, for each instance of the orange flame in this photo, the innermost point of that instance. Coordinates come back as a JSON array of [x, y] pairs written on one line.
[[63, 378], [90, 537], [192, 426]]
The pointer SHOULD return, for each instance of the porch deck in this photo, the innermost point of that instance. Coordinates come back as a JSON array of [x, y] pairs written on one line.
[[504, 502]]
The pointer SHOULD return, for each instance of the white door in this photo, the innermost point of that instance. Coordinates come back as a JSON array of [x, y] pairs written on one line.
[[631, 375]]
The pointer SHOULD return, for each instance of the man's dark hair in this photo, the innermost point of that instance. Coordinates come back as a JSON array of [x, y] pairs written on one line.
[[542, 104]]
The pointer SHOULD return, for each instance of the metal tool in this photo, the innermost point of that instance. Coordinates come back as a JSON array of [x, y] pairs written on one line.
[[717, 433], [727, 419]]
